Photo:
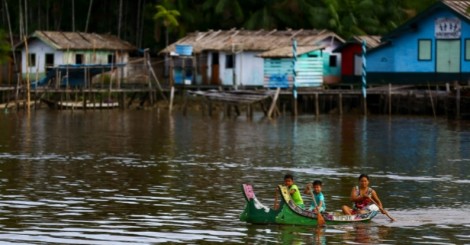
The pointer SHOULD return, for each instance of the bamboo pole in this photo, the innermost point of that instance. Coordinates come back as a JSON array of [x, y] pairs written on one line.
[[28, 95]]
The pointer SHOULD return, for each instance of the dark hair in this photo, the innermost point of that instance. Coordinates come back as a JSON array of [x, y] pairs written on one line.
[[363, 176], [288, 176], [317, 182]]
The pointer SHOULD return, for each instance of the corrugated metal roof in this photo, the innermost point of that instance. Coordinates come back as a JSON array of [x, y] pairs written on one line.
[[371, 41], [286, 52], [81, 41], [248, 40], [459, 6]]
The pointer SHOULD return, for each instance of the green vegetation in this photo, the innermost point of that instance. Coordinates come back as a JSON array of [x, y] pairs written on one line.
[[146, 22], [4, 47]]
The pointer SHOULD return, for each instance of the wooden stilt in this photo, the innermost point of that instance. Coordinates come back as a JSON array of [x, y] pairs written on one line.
[[296, 105], [317, 105], [364, 102], [172, 95], [389, 99], [274, 102], [249, 111], [340, 103], [457, 102], [432, 101]]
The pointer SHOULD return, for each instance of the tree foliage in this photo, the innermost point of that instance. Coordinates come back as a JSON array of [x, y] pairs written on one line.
[[142, 25]]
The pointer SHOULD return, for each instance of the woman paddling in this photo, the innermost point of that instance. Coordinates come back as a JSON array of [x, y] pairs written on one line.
[[362, 197]]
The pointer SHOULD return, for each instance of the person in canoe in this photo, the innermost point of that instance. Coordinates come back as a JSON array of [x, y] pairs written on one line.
[[293, 191], [362, 196], [319, 204]]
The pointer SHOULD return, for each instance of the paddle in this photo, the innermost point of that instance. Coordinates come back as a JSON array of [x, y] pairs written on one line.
[[383, 210], [320, 219]]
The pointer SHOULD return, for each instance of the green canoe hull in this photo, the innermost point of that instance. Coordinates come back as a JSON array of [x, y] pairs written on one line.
[[290, 214]]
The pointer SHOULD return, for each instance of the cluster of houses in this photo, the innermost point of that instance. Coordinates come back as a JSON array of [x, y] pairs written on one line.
[[432, 47]]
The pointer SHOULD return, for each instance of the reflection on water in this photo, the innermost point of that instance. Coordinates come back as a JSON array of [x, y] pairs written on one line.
[[113, 177]]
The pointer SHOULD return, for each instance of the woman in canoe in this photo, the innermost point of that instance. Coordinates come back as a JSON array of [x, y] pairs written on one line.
[[362, 196]]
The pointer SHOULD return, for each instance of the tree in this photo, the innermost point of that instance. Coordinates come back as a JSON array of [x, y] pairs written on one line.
[[169, 21], [169, 18]]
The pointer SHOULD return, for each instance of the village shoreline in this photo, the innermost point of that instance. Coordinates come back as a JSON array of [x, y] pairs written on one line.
[[436, 101]]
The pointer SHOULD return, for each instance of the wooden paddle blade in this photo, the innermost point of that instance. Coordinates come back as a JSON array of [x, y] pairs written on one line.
[[321, 221]]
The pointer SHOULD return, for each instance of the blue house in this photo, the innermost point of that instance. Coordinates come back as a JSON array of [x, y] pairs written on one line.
[[432, 47]]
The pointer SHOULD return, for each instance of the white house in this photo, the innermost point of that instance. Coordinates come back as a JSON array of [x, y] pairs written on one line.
[[230, 57], [48, 49]]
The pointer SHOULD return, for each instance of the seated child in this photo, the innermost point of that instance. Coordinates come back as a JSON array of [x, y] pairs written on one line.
[[318, 205], [293, 190]]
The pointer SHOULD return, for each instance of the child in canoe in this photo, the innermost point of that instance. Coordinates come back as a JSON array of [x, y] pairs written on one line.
[[293, 191], [318, 205]]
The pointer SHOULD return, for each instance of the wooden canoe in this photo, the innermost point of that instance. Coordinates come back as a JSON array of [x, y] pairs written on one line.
[[290, 214]]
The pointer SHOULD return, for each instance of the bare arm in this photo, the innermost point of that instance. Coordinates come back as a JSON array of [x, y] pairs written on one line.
[[307, 189], [376, 199], [354, 196]]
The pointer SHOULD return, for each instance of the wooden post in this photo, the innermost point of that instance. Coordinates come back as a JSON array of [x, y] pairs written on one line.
[[340, 103], [389, 99], [172, 95], [432, 101], [365, 105], [295, 104], [317, 105], [249, 111], [457, 102], [273, 104]]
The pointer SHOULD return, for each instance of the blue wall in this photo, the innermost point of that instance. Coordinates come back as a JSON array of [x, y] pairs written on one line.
[[402, 54]]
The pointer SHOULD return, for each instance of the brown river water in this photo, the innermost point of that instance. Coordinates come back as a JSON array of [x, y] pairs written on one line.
[[145, 177]]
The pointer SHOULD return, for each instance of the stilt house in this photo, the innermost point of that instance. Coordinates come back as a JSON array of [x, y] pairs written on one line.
[[230, 58], [432, 47], [74, 51]]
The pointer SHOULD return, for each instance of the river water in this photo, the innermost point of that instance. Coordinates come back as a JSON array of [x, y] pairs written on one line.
[[144, 177]]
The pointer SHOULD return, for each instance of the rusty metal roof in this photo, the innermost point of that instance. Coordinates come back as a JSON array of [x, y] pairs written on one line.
[[248, 40], [80, 41]]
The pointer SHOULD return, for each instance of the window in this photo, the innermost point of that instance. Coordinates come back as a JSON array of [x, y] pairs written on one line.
[[467, 49], [229, 61], [79, 59], [424, 49], [49, 60], [111, 59], [32, 60], [333, 61]]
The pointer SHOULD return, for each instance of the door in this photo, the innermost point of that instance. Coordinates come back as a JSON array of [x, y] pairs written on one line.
[[448, 56]]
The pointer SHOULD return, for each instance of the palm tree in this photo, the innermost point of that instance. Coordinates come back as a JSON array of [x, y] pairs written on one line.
[[169, 18]]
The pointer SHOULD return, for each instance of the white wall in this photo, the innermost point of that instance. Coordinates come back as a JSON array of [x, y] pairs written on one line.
[[248, 69], [40, 49]]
